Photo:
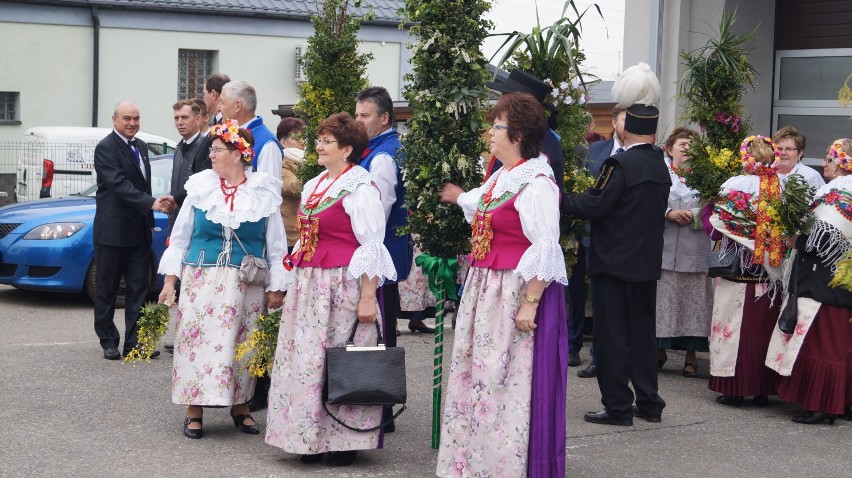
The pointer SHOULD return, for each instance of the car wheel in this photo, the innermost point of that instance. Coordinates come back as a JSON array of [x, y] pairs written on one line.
[[90, 286]]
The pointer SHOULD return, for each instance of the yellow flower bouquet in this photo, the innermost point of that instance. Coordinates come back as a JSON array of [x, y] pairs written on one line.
[[153, 322], [261, 345], [709, 167]]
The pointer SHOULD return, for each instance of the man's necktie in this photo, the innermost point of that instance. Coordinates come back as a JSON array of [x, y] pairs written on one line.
[[136, 154]]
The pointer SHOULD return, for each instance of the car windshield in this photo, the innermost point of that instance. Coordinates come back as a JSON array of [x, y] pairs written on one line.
[[161, 178]]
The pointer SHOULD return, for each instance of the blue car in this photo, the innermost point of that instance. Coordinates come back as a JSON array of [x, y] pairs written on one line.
[[47, 244]]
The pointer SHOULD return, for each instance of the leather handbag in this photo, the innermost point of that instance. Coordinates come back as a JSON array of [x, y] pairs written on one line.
[[366, 376], [253, 270], [723, 266]]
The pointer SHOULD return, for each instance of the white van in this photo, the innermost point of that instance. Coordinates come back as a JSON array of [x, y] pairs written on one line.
[[60, 160]]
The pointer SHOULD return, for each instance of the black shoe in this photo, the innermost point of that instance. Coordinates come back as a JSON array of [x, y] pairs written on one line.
[[811, 418], [341, 458], [588, 372], [847, 413], [690, 373], [602, 418], [194, 433], [733, 400], [420, 328], [170, 348], [313, 458], [111, 353], [645, 416], [760, 400], [239, 422], [574, 359]]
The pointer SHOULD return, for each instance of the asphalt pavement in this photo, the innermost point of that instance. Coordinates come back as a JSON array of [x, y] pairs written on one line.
[[67, 412]]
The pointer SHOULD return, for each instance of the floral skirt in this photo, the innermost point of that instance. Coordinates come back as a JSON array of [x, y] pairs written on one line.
[[319, 312], [215, 312], [416, 301], [684, 304], [486, 420]]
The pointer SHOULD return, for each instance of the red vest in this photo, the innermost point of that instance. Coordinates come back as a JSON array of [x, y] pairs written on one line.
[[508, 242], [326, 239]]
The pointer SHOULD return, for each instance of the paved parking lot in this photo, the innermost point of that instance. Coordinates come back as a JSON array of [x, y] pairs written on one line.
[[68, 412]]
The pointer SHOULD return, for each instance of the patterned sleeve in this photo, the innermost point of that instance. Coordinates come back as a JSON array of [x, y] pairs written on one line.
[[538, 207], [368, 223]]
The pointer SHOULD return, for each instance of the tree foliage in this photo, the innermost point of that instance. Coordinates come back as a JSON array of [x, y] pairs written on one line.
[[447, 95], [336, 73]]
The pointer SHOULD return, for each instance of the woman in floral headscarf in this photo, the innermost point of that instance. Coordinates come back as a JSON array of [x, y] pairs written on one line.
[[815, 361], [745, 309], [228, 212]]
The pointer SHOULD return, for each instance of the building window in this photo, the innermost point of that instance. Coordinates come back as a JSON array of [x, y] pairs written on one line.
[[194, 66], [9, 106]]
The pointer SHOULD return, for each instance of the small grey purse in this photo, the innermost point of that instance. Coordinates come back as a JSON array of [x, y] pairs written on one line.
[[253, 270]]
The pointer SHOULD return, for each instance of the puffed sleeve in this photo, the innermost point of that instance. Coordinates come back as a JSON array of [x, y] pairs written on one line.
[[538, 207], [470, 200], [276, 248], [368, 223], [172, 260]]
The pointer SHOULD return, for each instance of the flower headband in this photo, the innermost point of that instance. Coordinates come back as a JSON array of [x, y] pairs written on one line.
[[752, 165], [229, 132], [836, 152]]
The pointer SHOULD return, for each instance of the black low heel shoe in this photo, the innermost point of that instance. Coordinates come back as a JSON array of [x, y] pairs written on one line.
[[847, 413], [341, 458], [239, 423], [423, 329], [312, 458], [760, 400], [733, 400], [194, 433], [811, 418]]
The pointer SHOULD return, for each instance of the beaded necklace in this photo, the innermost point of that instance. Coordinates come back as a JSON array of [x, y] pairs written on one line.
[[230, 191]]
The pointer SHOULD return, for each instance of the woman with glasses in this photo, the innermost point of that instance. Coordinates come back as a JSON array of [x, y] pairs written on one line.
[[505, 406], [815, 361], [338, 263], [228, 212], [791, 145]]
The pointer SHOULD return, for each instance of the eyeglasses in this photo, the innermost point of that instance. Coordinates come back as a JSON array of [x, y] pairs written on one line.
[[499, 126], [789, 150], [216, 150], [325, 142]]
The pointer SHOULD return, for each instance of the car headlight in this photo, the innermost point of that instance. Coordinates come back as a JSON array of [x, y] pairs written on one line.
[[56, 230]]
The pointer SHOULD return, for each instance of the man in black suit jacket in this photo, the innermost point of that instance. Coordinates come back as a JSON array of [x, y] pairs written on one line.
[[192, 153], [627, 206], [122, 228]]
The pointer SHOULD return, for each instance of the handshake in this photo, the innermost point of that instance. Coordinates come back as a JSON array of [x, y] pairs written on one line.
[[164, 204]]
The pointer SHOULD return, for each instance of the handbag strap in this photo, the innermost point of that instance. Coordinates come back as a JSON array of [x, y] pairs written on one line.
[[381, 425], [379, 338], [234, 233]]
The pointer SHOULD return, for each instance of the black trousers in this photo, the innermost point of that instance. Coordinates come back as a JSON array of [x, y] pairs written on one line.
[[625, 345], [390, 303], [112, 262], [577, 301]]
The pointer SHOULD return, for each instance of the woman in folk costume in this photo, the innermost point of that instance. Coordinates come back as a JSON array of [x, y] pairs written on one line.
[[684, 292], [504, 414], [815, 362], [228, 212], [339, 262], [745, 310]]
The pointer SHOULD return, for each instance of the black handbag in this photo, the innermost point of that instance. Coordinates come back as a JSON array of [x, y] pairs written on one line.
[[371, 375], [726, 266], [790, 313]]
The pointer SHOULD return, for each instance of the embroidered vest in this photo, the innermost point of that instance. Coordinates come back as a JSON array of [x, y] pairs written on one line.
[[498, 240], [326, 238], [262, 135], [208, 242], [398, 246]]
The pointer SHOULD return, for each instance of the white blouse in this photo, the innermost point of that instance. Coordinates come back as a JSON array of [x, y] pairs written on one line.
[[259, 197], [366, 214], [538, 207]]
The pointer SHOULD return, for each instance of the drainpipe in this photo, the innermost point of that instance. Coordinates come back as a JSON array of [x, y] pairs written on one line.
[[96, 23], [656, 36]]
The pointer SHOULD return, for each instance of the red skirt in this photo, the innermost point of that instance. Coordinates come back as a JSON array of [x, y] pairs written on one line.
[[821, 379], [751, 375]]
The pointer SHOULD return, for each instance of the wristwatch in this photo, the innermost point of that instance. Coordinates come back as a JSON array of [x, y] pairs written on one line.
[[531, 299]]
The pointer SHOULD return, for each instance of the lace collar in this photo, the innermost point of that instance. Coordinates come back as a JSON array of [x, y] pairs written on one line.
[[744, 183], [348, 181], [679, 189], [259, 197], [514, 179]]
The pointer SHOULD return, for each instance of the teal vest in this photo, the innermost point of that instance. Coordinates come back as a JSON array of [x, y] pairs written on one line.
[[208, 242]]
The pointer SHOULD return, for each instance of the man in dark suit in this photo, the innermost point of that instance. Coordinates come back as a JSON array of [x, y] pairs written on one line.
[[192, 153], [627, 205], [213, 95], [122, 227], [598, 153]]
